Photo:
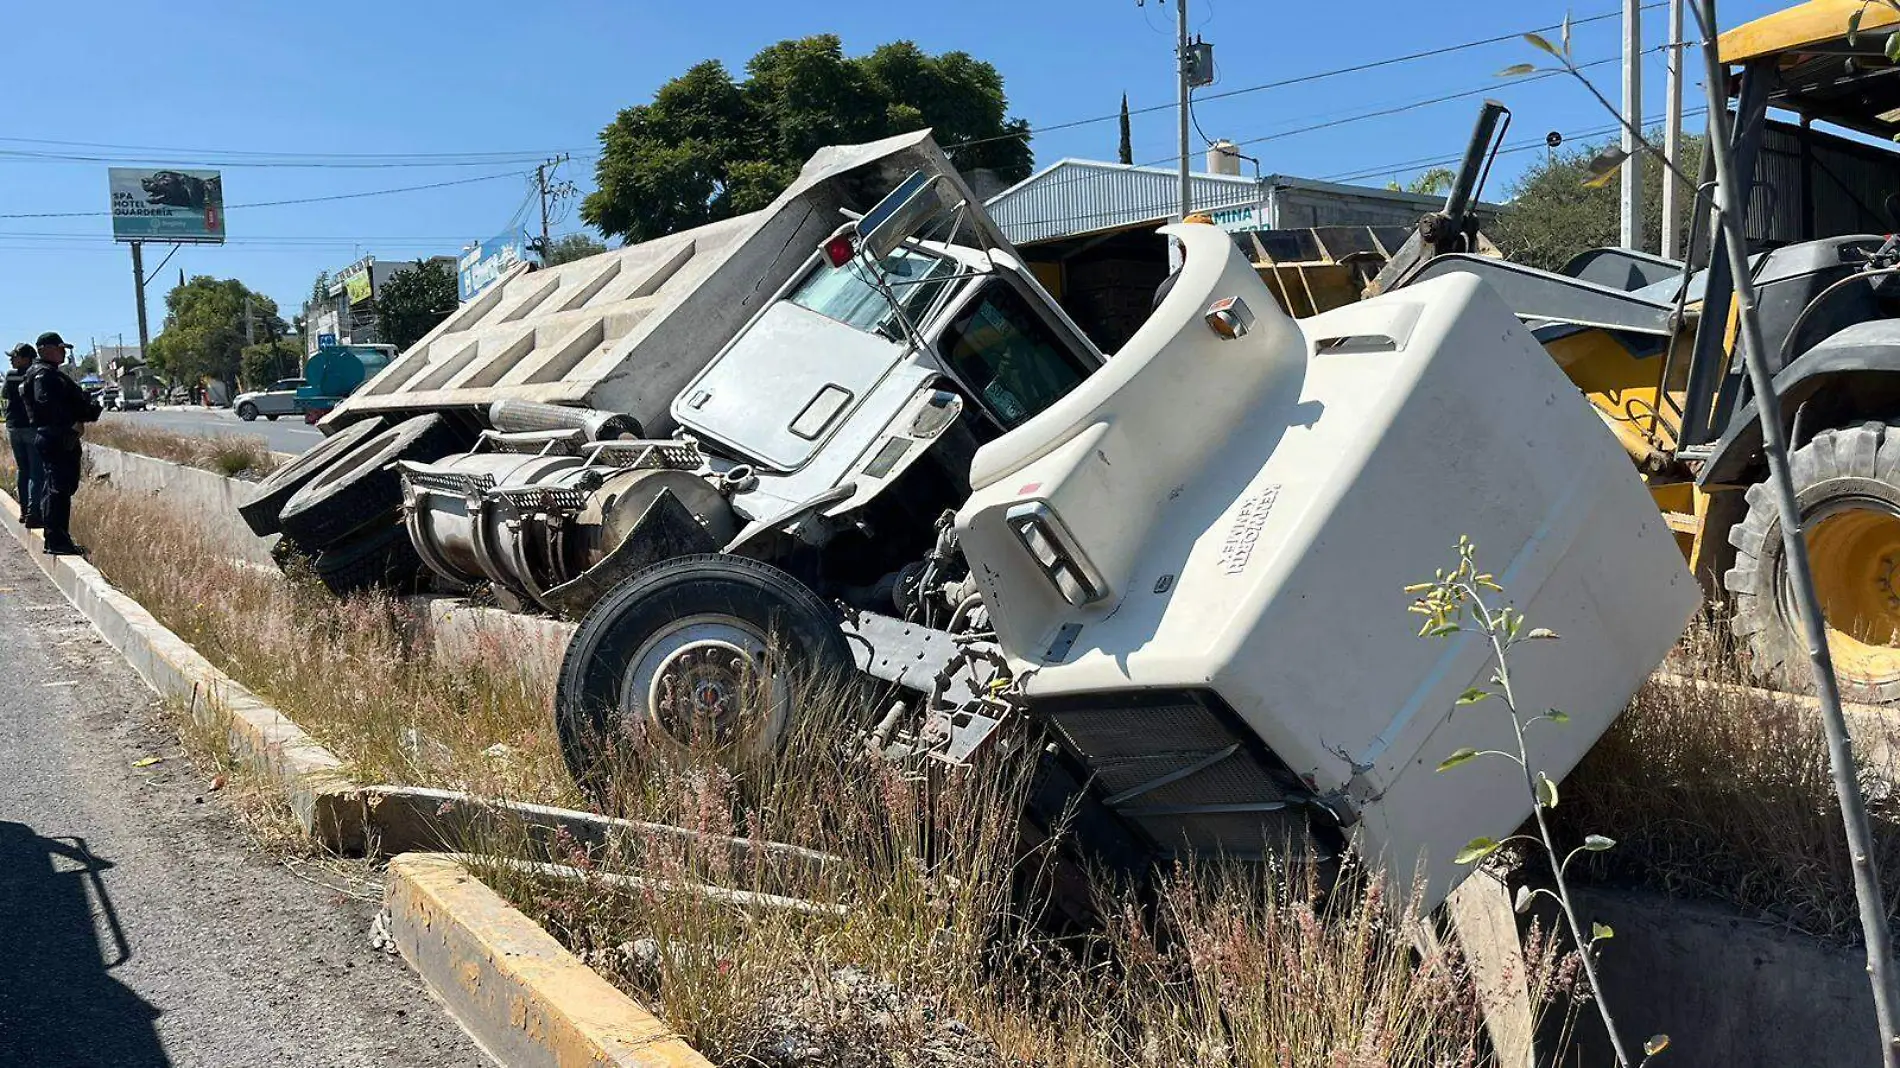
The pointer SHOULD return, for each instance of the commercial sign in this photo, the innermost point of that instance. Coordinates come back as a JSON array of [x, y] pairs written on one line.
[[354, 280], [1239, 217], [480, 266], [167, 205]]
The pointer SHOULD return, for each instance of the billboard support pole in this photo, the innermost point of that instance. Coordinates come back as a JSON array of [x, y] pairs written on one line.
[[138, 290]]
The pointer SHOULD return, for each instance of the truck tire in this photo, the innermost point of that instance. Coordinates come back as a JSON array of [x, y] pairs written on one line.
[[1847, 483], [699, 626], [381, 558], [359, 491], [268, 500]]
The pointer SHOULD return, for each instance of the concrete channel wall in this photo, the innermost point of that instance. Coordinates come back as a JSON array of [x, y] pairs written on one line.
[[210, 499], [1726, 989]]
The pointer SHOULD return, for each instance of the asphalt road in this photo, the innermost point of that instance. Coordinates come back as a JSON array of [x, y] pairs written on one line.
[[288, 434], [142, 928]]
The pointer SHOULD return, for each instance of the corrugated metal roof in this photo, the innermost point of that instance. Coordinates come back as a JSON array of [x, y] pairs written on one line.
[[1076, 196], [1080, 196]]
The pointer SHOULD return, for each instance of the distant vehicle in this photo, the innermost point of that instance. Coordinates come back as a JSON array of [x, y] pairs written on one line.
[[109, 398], [279, 399], [335, 372], [132, 399]]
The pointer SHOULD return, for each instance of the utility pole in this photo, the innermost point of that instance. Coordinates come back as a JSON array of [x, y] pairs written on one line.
[[1672, 135], [551, 194], [1181, 71], [1632, 229], [138, 290]]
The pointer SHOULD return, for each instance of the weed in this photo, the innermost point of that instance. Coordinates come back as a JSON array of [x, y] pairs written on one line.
[[229, 455]]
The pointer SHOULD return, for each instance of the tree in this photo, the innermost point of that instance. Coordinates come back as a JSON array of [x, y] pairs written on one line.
[[266, 362], [1436, 180], [1126, 152], [570, 248], [709, 147], [413, 301], [1553, 214], [204, 329]]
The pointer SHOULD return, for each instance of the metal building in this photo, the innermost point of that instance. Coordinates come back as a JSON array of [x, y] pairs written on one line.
[[1081, 196]]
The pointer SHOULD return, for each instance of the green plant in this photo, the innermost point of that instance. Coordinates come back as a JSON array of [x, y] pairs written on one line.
[[1450, 602]]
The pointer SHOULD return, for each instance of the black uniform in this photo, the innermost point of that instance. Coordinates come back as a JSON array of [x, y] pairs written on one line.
[[57, 406], [26, 455]]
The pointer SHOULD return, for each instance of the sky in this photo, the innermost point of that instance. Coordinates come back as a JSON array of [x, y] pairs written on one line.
[[300, 101]]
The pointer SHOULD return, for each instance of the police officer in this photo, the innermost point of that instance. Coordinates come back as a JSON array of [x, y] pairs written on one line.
[[26, 456], [58, 407]]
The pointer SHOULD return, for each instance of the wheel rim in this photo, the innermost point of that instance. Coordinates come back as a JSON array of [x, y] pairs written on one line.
[[1854, 552], [706, 679]]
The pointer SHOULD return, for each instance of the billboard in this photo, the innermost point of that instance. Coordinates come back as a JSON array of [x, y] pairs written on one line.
[[354, 280], [480, 266], [167, 205]]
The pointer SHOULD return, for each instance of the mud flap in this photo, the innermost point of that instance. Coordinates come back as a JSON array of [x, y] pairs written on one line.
[[664, 531]]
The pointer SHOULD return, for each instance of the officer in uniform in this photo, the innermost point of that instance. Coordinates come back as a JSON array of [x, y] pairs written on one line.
[[26, 455], [58, 407]]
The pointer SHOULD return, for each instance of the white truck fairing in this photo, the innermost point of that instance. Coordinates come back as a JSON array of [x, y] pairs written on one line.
[[1243, 514]]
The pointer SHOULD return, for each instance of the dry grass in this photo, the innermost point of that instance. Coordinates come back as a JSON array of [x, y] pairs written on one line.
[[350, 671], [1724, 792], [929, 963], [230, 455]]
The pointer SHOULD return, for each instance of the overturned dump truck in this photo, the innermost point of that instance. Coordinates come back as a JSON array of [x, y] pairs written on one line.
[[1185, 560]]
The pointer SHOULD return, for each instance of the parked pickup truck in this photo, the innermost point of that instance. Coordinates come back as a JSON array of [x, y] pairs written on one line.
[[852, 432]]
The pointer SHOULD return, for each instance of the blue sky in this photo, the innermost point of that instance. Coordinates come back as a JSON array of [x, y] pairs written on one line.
[[222, 83]]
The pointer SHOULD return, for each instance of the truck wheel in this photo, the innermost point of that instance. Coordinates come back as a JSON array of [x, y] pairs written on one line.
[[272, 417], [701, 650], [247, 412], [1847, 483], [380, 558], [358, 491], [261, 511]]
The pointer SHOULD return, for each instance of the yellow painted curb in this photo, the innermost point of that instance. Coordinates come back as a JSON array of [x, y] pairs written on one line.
[[327, 803], [518, 991]]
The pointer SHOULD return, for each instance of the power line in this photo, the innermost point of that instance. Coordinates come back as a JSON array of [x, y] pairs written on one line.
[[1308, 78], [283, 203], [1161, 211], [1407, 166], [497, 155], [1379, 112]]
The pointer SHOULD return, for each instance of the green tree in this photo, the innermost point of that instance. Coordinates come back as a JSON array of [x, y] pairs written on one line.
[[204, 329], [1553, 213], [1125, 152], [709, 147], [267, 361], [413, 301], [570, 248], [1436, 180]]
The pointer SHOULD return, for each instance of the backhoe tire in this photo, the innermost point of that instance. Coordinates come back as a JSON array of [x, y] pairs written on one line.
[[267, 501], [1847, 484], [382, 558], [361, 490], [733, 649]]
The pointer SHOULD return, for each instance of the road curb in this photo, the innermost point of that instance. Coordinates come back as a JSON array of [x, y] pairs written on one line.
[[523, 996], [327, 803]]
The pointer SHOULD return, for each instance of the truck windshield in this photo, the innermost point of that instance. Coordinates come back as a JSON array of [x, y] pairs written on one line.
[[848, 295], [1010, 356]]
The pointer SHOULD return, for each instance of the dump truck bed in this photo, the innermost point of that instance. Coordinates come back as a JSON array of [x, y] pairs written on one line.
[[625, 330]]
